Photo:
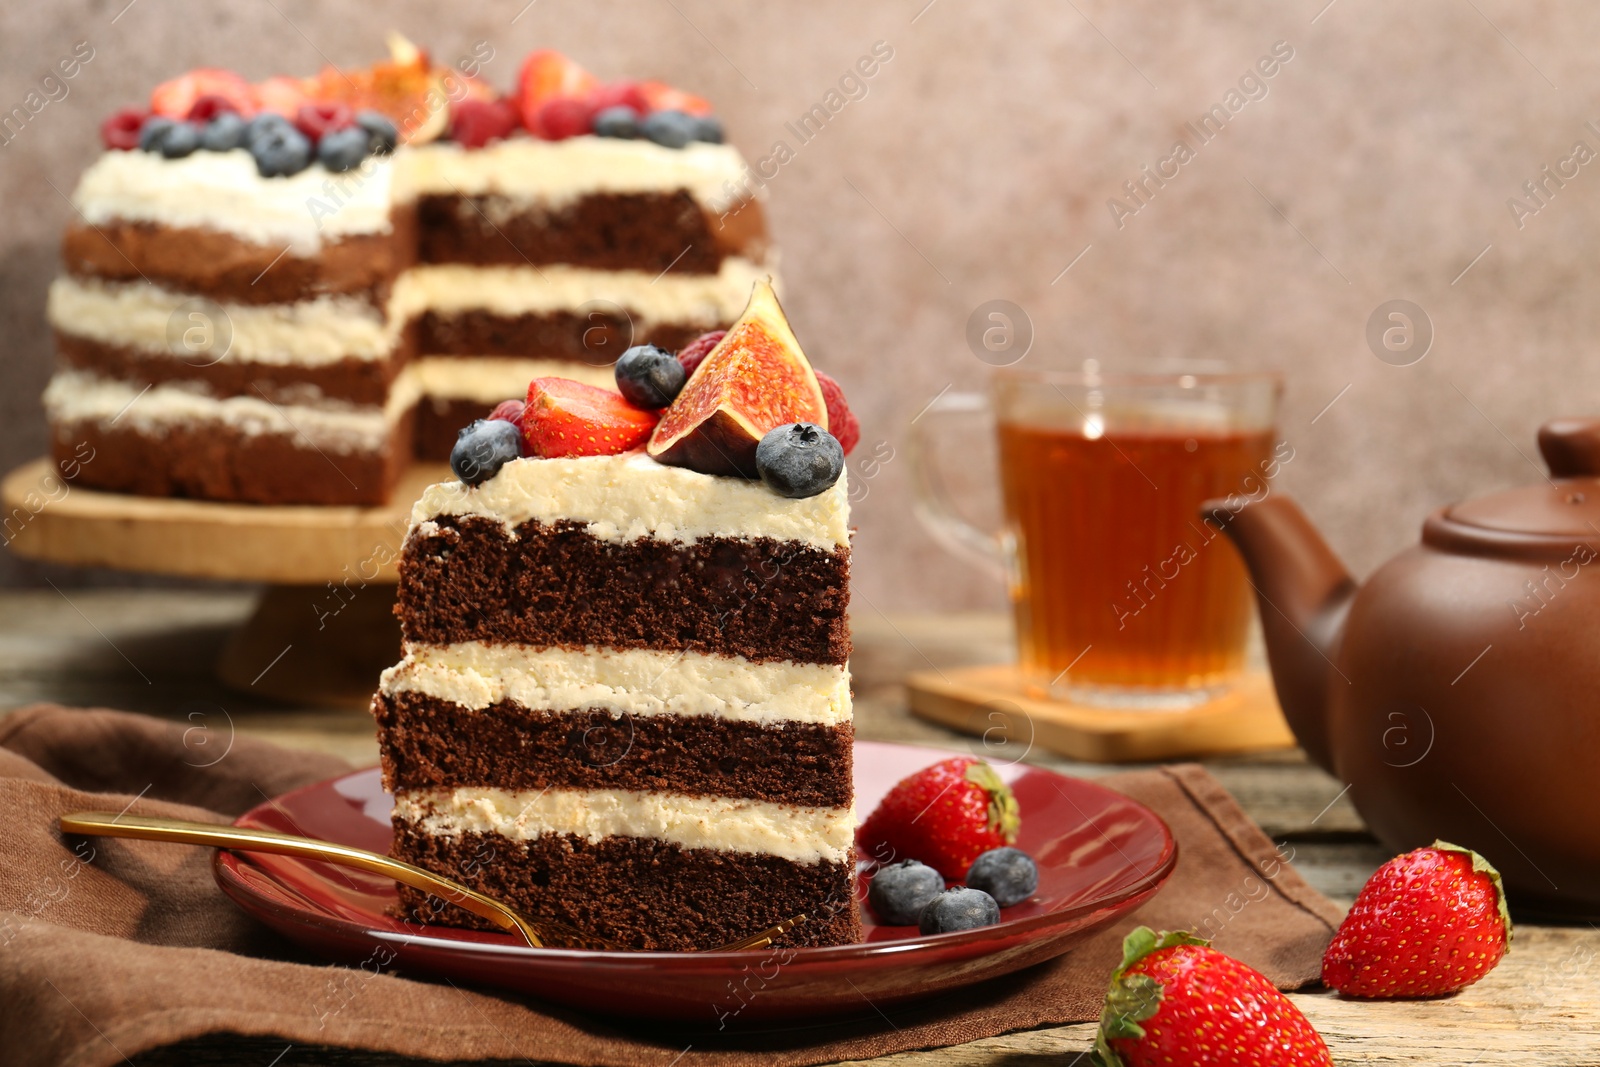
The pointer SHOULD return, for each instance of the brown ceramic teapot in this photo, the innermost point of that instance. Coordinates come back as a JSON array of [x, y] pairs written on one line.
[[1457, 690]]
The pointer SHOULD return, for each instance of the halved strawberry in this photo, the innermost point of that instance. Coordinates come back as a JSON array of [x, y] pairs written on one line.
[[659, 96], [174, 98], [568, 418], [945, 815], [842, 422], [549, 75], [280, 95]]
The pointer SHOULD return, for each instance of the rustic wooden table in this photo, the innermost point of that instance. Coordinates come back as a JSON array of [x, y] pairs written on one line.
[[153, 651]]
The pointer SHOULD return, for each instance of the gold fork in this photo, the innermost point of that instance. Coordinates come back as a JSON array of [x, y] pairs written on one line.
[[244, 839]]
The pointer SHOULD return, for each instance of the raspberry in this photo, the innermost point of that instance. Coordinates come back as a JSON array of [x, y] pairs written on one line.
[[564, 117], [842, 421], [474, 123], [209, 107], [695, 352], [121, 130], [508, 411], [314, 120]]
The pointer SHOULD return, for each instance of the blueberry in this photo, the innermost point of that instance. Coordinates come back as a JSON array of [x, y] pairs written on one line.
[[267, 120], [153, 132], [799, 459], [671, 128], [619, 121], [223, 133], [708, 128], [900, 891], [280, 151], [483, 448], [649, 377], [1007, 874], [380, 130], [181, 139], [343, 149], [958, 908]]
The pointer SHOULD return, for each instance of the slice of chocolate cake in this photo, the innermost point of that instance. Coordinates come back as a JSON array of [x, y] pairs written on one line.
[[625, 701], [625, 698]]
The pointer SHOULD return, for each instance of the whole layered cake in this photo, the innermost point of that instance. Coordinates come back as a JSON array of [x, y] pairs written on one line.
[[281, 292], [625, 699]]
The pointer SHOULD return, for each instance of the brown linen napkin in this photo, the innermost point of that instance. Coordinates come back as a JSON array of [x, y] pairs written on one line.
[[109, 948]]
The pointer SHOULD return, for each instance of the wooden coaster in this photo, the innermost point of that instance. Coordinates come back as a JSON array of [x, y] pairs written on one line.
[[978, 700]]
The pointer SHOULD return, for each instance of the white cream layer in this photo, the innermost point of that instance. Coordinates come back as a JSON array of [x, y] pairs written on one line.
[[707, 300], [792, 832], [139, 315], [491, 379], [75, 396], [223, 191], [555, 173], [641, 682], [623, 498]]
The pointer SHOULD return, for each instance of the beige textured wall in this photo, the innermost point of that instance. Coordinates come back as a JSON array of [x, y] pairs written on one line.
[[979, 165]]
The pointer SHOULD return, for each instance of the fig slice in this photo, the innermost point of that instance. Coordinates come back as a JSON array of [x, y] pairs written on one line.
[[756, 378]]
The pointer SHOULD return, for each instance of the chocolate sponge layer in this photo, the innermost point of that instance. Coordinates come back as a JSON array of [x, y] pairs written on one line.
[[557, 585]]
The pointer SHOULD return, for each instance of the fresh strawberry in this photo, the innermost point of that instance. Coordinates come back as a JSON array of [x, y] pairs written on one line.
[[694, 353], [509, 411], [620, 94], [173, 99], [568, 418], [548, 75], [316, 119], [281, 95], [565, 116], [121, 130], [944, 815], [659, 96], [1426, 923], [474, 123], [841, 420], [1176, 1000]]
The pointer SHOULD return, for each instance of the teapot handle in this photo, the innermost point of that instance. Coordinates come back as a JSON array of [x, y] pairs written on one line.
[[1571, 447]]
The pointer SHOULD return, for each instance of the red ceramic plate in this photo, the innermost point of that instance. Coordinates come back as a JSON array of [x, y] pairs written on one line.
[[1100, 856]]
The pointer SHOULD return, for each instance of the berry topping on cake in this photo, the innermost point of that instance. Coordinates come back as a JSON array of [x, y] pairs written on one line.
[[841, 420], [563, 117], [180, 139], [280, 150], [619, 121], [381, 132], [224, 133], [567, 418], [708, 128], [674, 129], [209, 107], [695, 352], [343, 149], [317, 120], [176, 98], [406, 87], [153, 132], [958, 908], [1007, 874], [1176, 1000], [280, 95], [628, 94], [755, 379], [484, 447], [946, 815], [799, 460], [659, 96], [1426, 923], [509, 411], [548, 75], [120, 132], [900, 891], [649, 377], [474, 123]]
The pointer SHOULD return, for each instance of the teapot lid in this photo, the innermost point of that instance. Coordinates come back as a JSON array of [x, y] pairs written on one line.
[[1533, 521]]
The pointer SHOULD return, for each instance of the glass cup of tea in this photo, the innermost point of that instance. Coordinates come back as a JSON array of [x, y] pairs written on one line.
[[1124, 594]]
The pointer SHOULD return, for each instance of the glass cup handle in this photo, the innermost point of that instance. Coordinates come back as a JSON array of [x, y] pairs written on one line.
[[934, 506]]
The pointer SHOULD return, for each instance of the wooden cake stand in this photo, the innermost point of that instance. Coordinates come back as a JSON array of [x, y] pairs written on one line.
[[323, 628]]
